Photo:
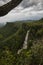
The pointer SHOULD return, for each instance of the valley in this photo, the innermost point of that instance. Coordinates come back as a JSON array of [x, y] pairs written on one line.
[[21, 43]]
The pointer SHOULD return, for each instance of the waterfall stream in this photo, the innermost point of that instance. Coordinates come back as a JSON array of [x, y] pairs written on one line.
[[25, 43]]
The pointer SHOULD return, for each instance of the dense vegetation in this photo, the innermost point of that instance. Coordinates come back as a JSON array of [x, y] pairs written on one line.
[[12, 36]]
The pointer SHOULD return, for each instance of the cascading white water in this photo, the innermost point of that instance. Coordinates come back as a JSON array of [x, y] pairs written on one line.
[[24, 44], [26, 40]]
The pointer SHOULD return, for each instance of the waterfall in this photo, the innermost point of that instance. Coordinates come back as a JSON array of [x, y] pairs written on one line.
[[25, 43]]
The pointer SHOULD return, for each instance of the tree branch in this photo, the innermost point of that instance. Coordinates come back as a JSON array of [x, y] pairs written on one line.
[[8, 7]]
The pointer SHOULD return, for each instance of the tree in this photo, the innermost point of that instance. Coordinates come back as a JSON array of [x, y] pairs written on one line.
[[6, 57], [37, 54]]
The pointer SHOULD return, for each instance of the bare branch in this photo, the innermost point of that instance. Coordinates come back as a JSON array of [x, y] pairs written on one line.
[[8, 7]]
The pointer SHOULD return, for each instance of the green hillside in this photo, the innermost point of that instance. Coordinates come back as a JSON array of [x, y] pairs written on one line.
[[12, 37]]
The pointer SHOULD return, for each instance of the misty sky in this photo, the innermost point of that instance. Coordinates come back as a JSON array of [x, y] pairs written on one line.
[[26, 10]]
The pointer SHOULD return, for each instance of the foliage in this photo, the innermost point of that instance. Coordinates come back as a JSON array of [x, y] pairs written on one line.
[[12, 37]]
